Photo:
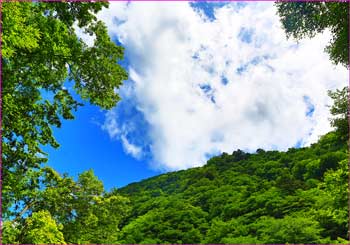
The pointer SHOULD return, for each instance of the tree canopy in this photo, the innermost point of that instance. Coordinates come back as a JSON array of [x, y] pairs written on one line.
[[45, 64], [340, 112], [67, 211], [306, 19]]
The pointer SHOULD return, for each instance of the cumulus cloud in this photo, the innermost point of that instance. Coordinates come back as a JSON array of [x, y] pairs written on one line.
[[211, 85], [111, 125], [134, 150], [121, 133]]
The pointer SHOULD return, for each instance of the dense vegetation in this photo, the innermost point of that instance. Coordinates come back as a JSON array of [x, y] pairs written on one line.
[[298, 196]]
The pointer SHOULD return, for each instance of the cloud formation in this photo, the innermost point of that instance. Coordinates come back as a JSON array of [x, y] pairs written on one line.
[[210, 85]]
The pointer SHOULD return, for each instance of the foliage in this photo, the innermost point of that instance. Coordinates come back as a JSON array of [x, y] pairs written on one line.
[[10, 233], [340, 112], [96, 216], [43, 62], [306, 19], [175, 221], [82, 210], [298, 196], [41, 229], [288, 230]]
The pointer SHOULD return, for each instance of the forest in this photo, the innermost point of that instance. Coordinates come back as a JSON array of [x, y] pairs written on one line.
[[296, 196]]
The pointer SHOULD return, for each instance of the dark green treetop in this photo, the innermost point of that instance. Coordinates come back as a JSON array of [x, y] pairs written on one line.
[[306, 19]]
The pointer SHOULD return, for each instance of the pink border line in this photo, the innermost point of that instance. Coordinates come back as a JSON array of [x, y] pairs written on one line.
[[1, 169], [341, 1], [1, 224]]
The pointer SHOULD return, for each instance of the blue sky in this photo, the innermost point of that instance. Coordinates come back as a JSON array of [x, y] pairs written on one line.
[[85, 146], [205, 78]]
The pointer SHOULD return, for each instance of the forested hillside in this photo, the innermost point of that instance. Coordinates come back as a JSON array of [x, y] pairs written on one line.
[[298, 196]]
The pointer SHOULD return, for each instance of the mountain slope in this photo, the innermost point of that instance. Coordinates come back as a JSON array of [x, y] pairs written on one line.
[[298, 196]]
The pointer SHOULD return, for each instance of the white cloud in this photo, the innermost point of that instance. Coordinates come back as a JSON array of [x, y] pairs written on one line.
[[122, 133], [190, 112], [134, 150], [111, 125]]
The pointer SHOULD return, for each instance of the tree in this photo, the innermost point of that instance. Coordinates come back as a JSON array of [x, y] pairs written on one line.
[[340, 112], [173, 222], [340, 120], [96, 215], [306, 19], [41, 229], [10, 233], [43, 62], [332, 201], [288, 230], [81, 211]]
